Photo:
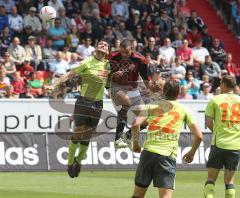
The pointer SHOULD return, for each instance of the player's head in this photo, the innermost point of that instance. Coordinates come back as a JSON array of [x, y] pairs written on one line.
[[228, 83], [103, 47], [171, 90], [126, 48]]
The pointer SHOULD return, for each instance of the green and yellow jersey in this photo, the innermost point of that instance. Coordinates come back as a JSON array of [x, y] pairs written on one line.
[[165, 120], [94, 74], [224, 109]]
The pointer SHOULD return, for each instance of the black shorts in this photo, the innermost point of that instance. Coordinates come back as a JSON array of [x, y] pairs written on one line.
[[161, 169], [87, 113], [219, 158]]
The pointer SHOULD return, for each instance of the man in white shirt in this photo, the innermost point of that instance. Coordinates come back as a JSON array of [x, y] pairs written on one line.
[[15, 21], [85, 50], [199, 53], [59, 66], [167, 51], [33, 21], [8, 5], [74, 61]]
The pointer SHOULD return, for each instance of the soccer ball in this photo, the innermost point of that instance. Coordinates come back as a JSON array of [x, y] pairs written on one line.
[[47, 14]]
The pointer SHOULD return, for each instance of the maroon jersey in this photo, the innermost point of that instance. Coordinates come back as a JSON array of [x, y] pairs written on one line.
[[129, 68]]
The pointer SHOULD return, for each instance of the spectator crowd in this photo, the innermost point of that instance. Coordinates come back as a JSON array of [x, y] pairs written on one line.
[[172, 37]]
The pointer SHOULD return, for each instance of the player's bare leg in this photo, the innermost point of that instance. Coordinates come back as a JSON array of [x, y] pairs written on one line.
[[229, 184], [210, 183], [139, 192], [165, 193]]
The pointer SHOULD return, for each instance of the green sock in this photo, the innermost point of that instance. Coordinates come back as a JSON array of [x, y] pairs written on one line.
[[209, 189], [82, 152], [230, 191], [72, 150]]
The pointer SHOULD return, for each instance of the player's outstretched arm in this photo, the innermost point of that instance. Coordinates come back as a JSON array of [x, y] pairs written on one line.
[[188, 157], [64, 78]]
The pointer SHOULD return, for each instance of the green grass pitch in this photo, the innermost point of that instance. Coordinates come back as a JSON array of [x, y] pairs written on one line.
[[98, 184]]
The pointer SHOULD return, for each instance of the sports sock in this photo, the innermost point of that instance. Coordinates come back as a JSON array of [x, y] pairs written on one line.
[[230, 191], [121, 121], [209, 189], [72, 149], [82, 152]]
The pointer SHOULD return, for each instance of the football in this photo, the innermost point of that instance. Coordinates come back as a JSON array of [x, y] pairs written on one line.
[[47, 13]]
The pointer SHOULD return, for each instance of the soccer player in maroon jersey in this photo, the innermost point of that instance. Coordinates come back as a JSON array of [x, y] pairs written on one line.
[[128, 68]]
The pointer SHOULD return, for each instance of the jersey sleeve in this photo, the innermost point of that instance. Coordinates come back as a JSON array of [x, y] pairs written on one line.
[[210, 109]]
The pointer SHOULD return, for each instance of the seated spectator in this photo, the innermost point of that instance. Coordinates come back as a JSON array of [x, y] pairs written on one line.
[[157, 34], [205, 93], [134, 20], [120, 7], [4, 81], [15, 21], [140, 36], [79, 22], [17, 52], [213, 70], [97, 24], [122, 33], [87, 7], [167, 51], [89, 33], [8, 5], [140, 6], [73, 39], [85, 50], [8, 66], [109, 35], [205, 79], [178, 71], [66, 53], [5, 39], [56, 4], [32, 20], [165, 22], [148, 25], [230, 66], [185, 54], [182, 7], [199, 54], [174, 33], [152, 8], [193, 36], [178, 42], [217, 91], [26, 69], [34, 53], [18, 84], [39, 4], [104, 8], [206, 38], [27, 92], [58, 35], [74, 61], [181, 21], [116, 46], [3, 17], [27, 31], [217, 53], [42, 39], [48, 52], [152, 50], [24, 6], [195, 21], [192, 84], [9, 94], [65, 21], [236, 17], [237, 90], [58, 66], [184, 93], [36, 85]]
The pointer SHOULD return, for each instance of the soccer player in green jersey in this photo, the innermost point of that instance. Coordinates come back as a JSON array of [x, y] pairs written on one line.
[[223, 119], [88, 107], [158, 158]]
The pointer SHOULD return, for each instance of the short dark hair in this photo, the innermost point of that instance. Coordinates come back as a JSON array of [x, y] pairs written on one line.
[[171, 89], [106, 41], [125, 43], [229, 81]]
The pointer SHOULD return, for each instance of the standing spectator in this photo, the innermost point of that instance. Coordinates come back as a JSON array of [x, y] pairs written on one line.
[[17, 52], [65, 21], [5, 38], [167, 51], [236, 17], [58, 35], [109, 35], [205, 93], [122, 33], [15, 21], [192, 84], [34, 53], [24, 6], [199, 54], [185, 54], [26, 69], [87, 7], [195, 20], [8, 66], [56, 4], [152, 50], [3, 18], [119, 7], [217, 53], [32, 20], [104, 8], [85, 50], [213, 70], [206, 38], [8, 5]]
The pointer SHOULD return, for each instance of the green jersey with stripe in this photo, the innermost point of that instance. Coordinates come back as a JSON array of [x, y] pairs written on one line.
[[165, 120], [94, 74], [224, 109]]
